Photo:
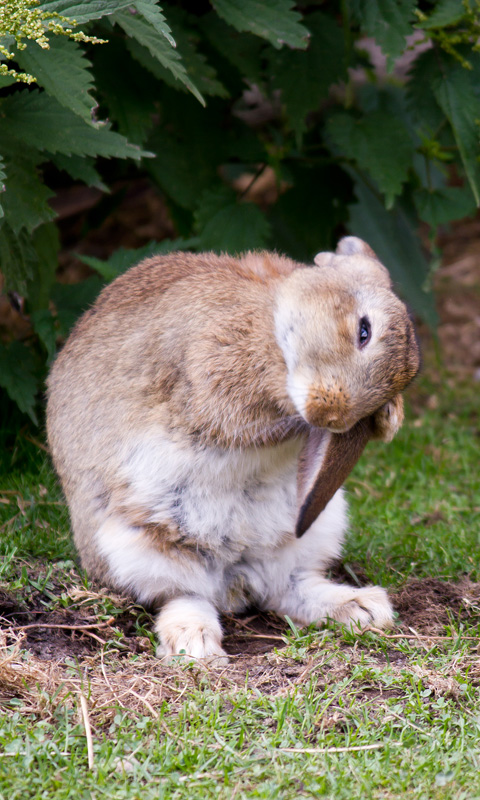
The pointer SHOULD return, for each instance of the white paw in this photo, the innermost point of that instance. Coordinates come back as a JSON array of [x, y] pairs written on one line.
[[188, 629], [364, 607]]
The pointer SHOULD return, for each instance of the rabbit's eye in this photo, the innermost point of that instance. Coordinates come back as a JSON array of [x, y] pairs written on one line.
[[364, 332]]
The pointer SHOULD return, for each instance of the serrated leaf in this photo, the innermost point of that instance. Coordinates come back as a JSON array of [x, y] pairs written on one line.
[[439, 207], [242, 50], [379, 143], [18, 258], [456, 93], [199, 70], [305, 216], [44, 326], [305, 78], [153, 14], [63, 72], [389, 22], [273, 20], [123, 258], [46, 243], [134, 25], [83, 12], [227, 226], [18, 377], [80, 168], [72, 299], [393, 237], [189, 154], [421, 99], [444, 13], [25, 200], [132, 108], [40, 122]]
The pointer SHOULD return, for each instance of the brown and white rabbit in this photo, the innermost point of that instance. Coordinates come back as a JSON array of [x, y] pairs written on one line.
[[202, 417]]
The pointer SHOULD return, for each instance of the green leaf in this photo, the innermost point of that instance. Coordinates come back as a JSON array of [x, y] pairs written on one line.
[[389, 22], [40, 122], [456, 92], [18, 258], [63, 72], [18, 377], [80, 168], [137, 27], [123, 258], [153, 14], [444, 13], [225, 225], [305, 78], [420, 97], [273, 20], [379, 143], [46, 243], [44, 326], [83, 12], [132, 108], [201, 73], [242, 50], [305, 217], [439, 207], [72, 299], [189, 154], [394, 238], [26, 197]]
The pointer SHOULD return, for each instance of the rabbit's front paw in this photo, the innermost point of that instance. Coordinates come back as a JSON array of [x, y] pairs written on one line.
[[188, 630], [364, 607], [388, 419]]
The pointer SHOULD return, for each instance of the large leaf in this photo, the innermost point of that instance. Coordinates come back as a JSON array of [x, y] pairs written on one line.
[[456, 92], [444, 13], [153, 14], [18, 258], [273, 20], [242, 50], [63, 72], [18, 376], [83, 12], [199, 70], [123, 259], [440, 206], [159, 47], [379, 144], [189, 152], [389, 22], [305, 78], [40, 122], [72, 299], [26, 197], [133, 107], [393, 237], [80, 168], [227, 226]]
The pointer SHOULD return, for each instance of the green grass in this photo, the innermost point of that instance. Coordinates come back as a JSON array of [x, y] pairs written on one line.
[[340, 715]]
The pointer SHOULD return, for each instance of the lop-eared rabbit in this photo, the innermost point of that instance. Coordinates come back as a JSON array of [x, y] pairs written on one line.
[[202, 417]]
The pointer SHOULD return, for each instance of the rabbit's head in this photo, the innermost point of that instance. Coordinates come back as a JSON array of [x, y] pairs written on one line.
[[350, 348], [347, 339]]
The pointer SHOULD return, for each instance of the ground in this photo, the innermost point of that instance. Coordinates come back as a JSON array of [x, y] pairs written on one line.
[[314, 713]]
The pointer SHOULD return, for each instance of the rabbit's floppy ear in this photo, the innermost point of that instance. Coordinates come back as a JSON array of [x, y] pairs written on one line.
[[325, 462], [353, 247]]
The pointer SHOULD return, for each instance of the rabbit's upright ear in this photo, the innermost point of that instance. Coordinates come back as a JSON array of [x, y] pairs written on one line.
[[325, 462], [361, 259]]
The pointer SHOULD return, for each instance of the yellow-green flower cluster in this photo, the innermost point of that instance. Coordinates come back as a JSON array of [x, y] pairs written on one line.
[[23, 19]]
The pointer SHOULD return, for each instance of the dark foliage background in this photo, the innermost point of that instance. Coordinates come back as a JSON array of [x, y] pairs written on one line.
[[259, 123]]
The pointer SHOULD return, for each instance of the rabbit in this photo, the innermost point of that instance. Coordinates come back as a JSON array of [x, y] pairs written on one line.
[[203, 416]]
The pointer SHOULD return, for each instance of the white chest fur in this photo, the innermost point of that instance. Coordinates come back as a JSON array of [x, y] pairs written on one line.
[[229, 502]]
